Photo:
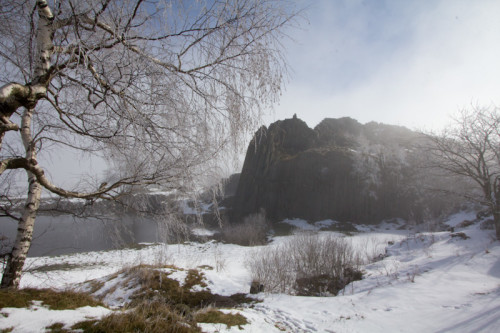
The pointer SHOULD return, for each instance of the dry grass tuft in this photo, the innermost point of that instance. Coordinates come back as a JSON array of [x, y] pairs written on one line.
[[213, 316], [56, 328], [156, 284], [55, 300], [160, 303], [154, 317]]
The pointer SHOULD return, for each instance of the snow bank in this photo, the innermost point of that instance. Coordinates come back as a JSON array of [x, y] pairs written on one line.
[[37, 317], [429, 282]]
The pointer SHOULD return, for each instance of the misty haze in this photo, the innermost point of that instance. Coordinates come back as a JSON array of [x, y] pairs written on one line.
[[249, 165]]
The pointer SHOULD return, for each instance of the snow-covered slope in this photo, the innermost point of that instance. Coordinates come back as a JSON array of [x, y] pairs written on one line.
[[429, 282]]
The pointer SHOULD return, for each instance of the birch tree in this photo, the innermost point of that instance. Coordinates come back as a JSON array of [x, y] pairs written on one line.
[[157, 87], [470, 149]]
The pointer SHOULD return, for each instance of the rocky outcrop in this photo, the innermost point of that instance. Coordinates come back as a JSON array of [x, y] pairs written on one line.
[[293, 171]]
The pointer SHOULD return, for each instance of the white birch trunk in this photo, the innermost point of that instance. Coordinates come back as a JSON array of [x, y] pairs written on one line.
[[12, 274], [44, 36], [15, 261], [2, 135]]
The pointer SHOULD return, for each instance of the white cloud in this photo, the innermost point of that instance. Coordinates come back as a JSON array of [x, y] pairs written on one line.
[[404, 63]]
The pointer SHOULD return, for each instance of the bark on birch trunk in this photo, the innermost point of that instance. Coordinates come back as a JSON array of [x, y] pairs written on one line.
[[2, 135], [15, 261]]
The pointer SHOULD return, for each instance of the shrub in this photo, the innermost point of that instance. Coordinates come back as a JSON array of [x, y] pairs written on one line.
[[272, 268], [251, 232], [487, 225], [306, 265], [465, 224]]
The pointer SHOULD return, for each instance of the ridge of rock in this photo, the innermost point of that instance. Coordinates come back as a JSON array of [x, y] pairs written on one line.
[[293, 171]]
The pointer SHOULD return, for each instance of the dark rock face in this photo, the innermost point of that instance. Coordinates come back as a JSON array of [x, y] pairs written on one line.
[[230, 184], [293, 171]]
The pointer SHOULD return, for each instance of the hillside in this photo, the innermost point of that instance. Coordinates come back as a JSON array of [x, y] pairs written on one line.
[[340, 170], [426, 282]]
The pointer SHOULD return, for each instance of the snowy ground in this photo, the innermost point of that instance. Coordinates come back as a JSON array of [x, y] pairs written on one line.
[[429, 282]]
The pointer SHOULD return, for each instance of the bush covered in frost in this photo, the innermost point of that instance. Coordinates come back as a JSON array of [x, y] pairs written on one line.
[[307, 264]]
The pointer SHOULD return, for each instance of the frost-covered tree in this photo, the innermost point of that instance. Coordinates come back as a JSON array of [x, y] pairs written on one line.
[[470, 148], [395, 167], [157, 87]]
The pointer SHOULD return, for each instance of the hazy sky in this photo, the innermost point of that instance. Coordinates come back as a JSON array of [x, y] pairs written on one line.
[[402, 62]]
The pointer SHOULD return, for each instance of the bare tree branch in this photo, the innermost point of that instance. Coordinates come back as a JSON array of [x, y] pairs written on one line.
[[159, 89], [470, 148]]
